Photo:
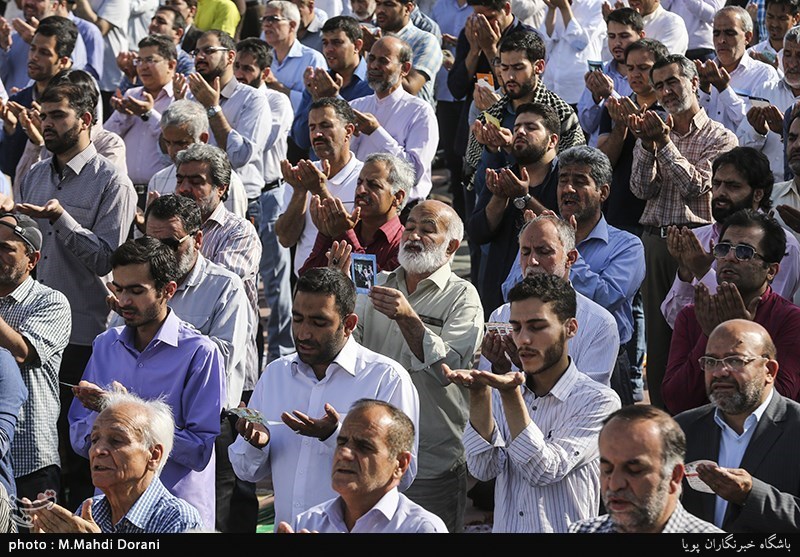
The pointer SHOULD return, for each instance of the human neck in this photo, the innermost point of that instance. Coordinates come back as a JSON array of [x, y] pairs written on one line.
[[516, 103], [683, 120], [144, 334], [390, 90], [371, 225], [340, 161], [83, 142], [122, 499], [732, 66], [413, 279], [355, 509], [585, 226], [537, 171], [543, 382], [283, 48]]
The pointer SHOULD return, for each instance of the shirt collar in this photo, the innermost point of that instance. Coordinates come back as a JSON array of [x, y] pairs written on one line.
[[599, 232], [167, 333], [196, 274], [650, 17], [19, 293], [295, 51], [345, 172], [387, 505], [390, 228], [751, 420], [565, 383], [439, 277], [219, 215], [392, 97], [360, 71], [230, 88], [77, 162], [345, 359], [142, 510]]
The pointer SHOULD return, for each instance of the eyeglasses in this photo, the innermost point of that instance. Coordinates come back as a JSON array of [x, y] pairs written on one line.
[[150, 61], [272, 19], [175, 244], [742, 252], [208, 50], [735, 363]]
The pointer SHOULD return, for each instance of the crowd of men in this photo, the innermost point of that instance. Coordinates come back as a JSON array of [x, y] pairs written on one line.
[[627, 178]]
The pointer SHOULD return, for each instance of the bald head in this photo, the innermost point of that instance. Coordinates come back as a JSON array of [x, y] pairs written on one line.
[[740, 368]]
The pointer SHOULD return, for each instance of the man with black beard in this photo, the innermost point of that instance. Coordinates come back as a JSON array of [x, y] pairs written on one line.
[[536, 431], [741, 179], [292, 446], [423, 315], [239, 115], [506, 193], [748, 258], [742, 432], [641, 468]]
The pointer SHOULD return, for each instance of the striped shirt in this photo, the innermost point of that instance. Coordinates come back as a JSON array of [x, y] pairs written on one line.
[[233, 243], [549, 475], [156, 511], [676, 180], [99, 203], [427, 56], [680, 522], [42, 316]]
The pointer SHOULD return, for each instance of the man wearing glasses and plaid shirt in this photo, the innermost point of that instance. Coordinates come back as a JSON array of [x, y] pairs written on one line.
[[748, 257]]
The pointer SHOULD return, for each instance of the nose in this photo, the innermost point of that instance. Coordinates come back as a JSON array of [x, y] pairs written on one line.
[[183, 186], [616, 480], [720, 370]]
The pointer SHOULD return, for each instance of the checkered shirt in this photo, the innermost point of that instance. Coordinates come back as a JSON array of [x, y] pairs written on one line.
[[681, 522], [42, 316]]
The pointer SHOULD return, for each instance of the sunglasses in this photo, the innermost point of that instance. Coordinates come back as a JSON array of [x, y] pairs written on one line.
[[173, 243], [272, 19], [742, 252]]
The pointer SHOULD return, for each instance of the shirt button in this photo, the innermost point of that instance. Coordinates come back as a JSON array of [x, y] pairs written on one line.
[[521, 513], [534, 408], [141, 365]]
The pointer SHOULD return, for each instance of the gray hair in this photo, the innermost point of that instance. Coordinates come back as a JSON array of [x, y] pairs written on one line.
[[597, 161], [401, 173], [158, 422], [741, 14], [687, 68], [287, 9], [455, 226], [214, 156], [565, 232], [188, 114], [792, 35]]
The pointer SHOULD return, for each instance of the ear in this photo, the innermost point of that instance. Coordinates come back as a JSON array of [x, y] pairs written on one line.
[[358, 45], [180, 33], [758, 195], [748, 37], [572, 257], [204, 137], [350, 128], [538, 67], [452, 247], [266, 73], [507, 8], [222, 190], [292, 25], [172, 65], [33, 259], [772, 370], [399, 197], [403, 462], [86, 119], [350, 323], [605, 189], [676, 477], [572, 327], [64, 62], [553, 141], [772, 271], [198, 239], [169, 289], [231, 55], [641, 34], [405, 69], [156, 454]]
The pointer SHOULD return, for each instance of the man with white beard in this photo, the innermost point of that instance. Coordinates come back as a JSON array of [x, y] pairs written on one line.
[[423, 315]]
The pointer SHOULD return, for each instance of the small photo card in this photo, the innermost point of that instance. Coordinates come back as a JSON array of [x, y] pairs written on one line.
[[363, 269]]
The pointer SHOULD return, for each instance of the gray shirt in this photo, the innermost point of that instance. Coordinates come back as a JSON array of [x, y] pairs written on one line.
[[99, 204]]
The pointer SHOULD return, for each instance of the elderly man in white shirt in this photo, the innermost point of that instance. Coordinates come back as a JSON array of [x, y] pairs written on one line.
[[329, 372], [728, 81], [392, 120]]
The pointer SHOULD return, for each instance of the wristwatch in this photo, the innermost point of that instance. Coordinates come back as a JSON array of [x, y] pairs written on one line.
[[522, 202], [213, 111], [146, 116]]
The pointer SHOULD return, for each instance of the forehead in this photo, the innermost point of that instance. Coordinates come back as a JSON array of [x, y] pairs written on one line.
[[121, 419], [486, 12], [541, 233], [208, 40], [158, 228], [616, 27], [7, 234], [514, 57], [138, 273], [323, 114], [368, 423], [167, 15], [388, 49], [374, 170], [792, 46], [734, 338], [273, 11], [532, 309], [726, 20], [795, 126], [62, 105], [529, 118], [312, 303], [422, 214], [148, 51], [336, 34], [623, 441], [729, 173], [176, 130], [43, 41], [582, 170], [640, 56], [750, 235], [194, 168], [246, 58], [666, 72]]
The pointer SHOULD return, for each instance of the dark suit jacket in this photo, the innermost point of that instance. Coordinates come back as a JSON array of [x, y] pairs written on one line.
[[772, 458]]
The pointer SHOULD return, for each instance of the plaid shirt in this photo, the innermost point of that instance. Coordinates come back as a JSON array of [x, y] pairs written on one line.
[[571, 132], [427, 56], [156, 511], [681, 522], [676, 180], [42, 316]]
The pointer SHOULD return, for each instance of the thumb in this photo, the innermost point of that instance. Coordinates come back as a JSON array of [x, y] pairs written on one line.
[[669, 120], [356, 214], [86, 510], [148, 97], [331, 411], [326, 167], [34, 22], [753, 306], [523, 174], [217, 87]]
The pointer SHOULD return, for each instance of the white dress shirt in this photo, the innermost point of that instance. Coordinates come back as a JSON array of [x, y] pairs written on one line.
[[570, 48], [730, 106], [595, 346], [278, 139], [778, 93], [300, 466], [164, 182], [698, 15], [548, 476], [668, 28], [681, 294], [786, 193], [343, 186], [394, 513], [408, 129]]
